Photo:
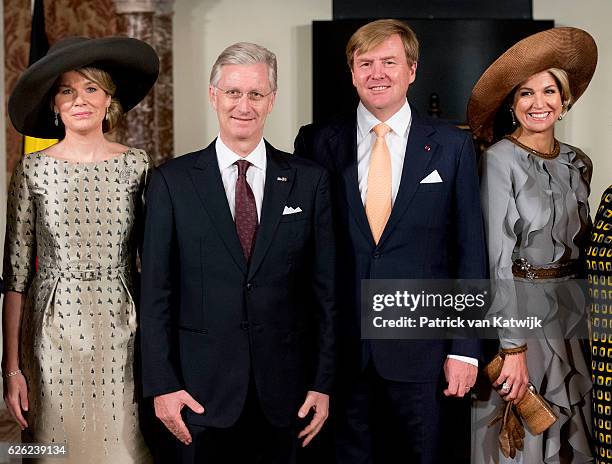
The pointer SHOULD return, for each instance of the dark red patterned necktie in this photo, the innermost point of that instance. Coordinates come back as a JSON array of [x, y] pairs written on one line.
[[245, 211]]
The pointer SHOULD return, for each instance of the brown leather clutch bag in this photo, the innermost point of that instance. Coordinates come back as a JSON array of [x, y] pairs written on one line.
[[535, 411]]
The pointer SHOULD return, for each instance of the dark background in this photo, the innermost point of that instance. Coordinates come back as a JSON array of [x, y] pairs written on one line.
[[453, 55], [430, 9]]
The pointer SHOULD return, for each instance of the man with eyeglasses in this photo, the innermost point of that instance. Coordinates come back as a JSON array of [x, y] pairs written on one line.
[[237, 317]]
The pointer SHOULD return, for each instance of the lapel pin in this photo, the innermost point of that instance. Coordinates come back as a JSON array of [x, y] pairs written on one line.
[[427, 148], [281, 179]]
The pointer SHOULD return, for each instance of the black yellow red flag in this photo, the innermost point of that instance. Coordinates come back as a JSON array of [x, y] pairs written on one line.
[[39, 45]]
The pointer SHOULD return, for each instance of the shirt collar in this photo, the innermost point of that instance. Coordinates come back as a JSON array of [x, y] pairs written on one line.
[[226, 157], [399, 122]]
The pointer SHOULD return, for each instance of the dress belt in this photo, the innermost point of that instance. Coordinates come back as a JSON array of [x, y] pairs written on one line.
[[82, 274], [524, 269]]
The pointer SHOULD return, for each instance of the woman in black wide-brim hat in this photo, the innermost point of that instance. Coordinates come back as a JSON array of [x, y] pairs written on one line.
[[76, 207], [534, 192]]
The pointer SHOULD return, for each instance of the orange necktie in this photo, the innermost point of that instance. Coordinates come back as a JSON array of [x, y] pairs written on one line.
[[378, 198]]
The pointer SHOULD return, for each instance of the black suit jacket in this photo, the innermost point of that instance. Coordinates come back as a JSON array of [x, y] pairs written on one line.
[[208, 318], [435, 231]]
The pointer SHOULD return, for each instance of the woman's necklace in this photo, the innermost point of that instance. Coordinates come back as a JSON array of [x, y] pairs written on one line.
[[553, 154]]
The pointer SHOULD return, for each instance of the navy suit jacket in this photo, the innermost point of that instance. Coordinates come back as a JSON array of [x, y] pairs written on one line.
[[208, 319], [435, 231]]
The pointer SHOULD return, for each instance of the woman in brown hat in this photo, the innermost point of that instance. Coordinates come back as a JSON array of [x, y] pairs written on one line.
[[534, 194], [69, 324]]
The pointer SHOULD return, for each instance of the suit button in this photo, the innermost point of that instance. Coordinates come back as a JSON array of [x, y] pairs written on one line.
[[249, 286], [376, 255], [244, 325]]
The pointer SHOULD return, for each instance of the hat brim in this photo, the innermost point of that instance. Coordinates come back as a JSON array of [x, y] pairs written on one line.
[[132, 64], [567, 48]]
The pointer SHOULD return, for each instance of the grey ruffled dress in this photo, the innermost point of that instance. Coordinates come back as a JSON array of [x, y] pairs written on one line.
[[537, 209]]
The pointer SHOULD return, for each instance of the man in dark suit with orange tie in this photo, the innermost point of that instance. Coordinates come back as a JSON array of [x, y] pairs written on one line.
[[406, 198], [237, 313]]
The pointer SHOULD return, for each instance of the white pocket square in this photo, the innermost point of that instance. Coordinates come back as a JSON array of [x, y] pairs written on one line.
[[290, 210], [433, 178]]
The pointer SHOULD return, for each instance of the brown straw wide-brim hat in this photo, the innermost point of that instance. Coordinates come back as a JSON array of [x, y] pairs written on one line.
[[567, 48], [132, 64]]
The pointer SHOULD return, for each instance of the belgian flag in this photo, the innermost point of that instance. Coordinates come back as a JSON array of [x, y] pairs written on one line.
[[39, 45]]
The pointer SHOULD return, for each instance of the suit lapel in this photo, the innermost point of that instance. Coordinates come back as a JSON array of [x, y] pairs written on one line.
[[207, 182], [275, 196], [344, 150], [420, 150]]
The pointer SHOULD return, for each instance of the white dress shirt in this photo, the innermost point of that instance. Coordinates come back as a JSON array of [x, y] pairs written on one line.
[[256, 174], [396, 139]]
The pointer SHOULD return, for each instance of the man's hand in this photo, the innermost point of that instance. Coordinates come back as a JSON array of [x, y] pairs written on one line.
[[460, 376], [168, 410], [319, 402]]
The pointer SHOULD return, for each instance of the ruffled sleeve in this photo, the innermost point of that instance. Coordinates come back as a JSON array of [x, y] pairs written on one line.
[[501, 217], [581, 186], [583, 163]]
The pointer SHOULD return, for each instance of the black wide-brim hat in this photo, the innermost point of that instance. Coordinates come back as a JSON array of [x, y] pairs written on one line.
[[567, 48], [132, 64]]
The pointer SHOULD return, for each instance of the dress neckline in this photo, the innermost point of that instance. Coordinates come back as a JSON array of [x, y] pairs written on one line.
[[552, 155], [85, 163]]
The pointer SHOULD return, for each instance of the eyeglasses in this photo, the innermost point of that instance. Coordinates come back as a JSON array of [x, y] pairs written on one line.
[[235, 94]]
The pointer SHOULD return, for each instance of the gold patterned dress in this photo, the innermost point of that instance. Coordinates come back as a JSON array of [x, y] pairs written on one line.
[[599, 268], [81, 221]]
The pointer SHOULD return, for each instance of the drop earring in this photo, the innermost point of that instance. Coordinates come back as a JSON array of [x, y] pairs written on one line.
[[512, 116], [55, 119], [106, 116]]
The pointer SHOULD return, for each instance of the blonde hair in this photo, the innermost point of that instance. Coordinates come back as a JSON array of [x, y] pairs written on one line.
[[562, 79], [375, 33], [105, 81]]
